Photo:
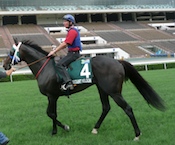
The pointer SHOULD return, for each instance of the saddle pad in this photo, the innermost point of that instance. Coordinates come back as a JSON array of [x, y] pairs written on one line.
[[80, 71]]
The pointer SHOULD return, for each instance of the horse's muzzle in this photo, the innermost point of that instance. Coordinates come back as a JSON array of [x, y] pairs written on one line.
[[7, 66]]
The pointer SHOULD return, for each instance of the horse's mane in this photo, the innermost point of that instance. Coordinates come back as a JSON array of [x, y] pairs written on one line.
[[33, 45]]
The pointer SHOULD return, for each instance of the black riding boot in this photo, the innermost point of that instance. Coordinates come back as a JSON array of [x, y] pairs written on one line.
[[67, 85]]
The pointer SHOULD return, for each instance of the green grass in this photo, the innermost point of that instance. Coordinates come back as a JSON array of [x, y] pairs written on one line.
[[23, 115]]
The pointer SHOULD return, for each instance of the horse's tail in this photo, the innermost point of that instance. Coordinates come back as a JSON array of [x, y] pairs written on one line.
[[142, 85]]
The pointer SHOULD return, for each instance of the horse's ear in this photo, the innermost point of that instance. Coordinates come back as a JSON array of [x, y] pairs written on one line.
[[16, 41]]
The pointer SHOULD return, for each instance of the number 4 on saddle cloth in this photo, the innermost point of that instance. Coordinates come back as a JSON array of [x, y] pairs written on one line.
[[80, 71]]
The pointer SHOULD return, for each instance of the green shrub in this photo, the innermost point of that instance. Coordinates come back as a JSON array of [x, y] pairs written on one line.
[[140, 67], [170, 65], [18, 78], [154, 66]]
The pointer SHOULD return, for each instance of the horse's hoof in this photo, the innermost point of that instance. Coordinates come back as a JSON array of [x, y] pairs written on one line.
[[137, 137], [94, 131], [54, 132], [66, 127]]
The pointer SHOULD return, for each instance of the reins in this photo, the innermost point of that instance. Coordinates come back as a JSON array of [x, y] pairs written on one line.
[[45, 63], [33, 62], [42, 67]]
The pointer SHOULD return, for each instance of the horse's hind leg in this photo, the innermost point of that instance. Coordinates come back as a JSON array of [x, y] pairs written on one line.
[[105, 109], [128, 110]]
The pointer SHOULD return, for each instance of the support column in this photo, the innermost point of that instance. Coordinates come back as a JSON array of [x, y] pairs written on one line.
[[89, 18], [19, 20], [120, 17], [1, 21], [105, 17], [134, 16]]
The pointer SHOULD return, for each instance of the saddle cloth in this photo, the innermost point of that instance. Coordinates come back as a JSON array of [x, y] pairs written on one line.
[[80, 71]]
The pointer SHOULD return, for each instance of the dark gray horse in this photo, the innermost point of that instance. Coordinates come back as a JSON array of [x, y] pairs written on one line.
[[108, 76]]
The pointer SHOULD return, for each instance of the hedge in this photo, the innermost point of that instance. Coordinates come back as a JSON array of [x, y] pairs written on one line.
[[138, 67]]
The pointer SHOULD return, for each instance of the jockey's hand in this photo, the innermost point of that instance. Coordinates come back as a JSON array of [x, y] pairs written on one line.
[[51, 53]]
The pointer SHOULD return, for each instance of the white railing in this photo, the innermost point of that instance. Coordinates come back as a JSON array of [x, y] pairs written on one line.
[[152, 61], [135, 62], [23, 72]]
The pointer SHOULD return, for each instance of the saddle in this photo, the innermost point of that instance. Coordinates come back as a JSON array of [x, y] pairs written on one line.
[[79, 71]]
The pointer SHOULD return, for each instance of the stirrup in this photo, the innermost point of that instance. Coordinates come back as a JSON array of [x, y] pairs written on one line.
[[68, 86], [63, 87]]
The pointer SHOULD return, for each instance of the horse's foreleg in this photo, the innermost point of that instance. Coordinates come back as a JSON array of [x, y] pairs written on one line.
[[51, 112], [105, 109], [128, 110]]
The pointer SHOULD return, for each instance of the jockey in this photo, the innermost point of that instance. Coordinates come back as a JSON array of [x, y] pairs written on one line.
[[73, 43]]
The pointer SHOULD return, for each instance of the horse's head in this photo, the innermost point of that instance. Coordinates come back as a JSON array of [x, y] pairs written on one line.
[[22, 51], [13, 56]]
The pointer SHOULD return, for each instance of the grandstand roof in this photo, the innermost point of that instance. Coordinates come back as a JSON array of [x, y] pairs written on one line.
[[90, 11], [132, 3], [79, 6]]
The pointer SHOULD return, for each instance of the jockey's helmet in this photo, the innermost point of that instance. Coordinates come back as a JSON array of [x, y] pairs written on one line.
[[69, 18]]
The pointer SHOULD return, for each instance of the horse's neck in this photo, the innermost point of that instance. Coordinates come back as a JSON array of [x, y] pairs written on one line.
[[45, 66], [34, 60]]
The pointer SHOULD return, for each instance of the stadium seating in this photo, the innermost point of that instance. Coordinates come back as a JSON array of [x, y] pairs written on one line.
[[167, 45], [87, 7], [22, 29], [2, 45], [21, 8], [118, 32], [127, 36], [132, 49], [152, 34], [99, 26], [92, 7], [57, 8]]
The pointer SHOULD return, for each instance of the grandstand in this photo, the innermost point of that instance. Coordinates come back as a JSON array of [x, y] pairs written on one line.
[[123, 24]]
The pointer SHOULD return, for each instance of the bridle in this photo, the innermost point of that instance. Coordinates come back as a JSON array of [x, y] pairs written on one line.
[[16, 58]]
